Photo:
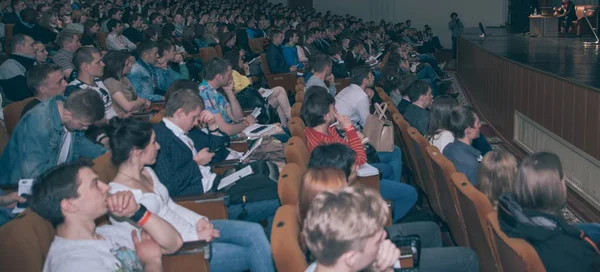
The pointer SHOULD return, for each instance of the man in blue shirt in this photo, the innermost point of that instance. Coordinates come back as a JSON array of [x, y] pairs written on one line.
[[465, 125]]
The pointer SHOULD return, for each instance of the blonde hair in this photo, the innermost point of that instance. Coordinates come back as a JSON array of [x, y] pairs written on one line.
[[342, 221], [539, 184], [496, 174]]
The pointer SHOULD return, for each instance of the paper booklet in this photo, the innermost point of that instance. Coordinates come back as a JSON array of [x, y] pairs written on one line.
[[256, 112], [265, 92], [367, 170], [256, 130], [228, 180]]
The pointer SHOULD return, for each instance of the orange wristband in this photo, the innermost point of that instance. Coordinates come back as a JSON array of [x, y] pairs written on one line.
[[144, 219]]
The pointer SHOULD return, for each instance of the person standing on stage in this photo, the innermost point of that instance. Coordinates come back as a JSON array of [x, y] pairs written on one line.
[[456, 26], [567, 16]]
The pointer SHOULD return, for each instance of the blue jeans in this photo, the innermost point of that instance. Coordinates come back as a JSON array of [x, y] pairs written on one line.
[[403, 195], [256, 212], [432, 61], [592, 230], [242, 246], [390, 164]]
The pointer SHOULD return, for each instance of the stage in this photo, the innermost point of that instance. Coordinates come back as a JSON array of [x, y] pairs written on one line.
[[540, 94], [569, 58]]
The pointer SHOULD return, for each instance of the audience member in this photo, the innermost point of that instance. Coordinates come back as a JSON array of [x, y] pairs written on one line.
[[497, 174], [14, 17], [464, 124], [322, 70], [50, 134], [113, 14], [236, 245], [115, 39], [90, 68], [46, 81], [126, 101], [141, 75], [275, 58], [90, 29], [290, 52], [354, 101], [162, 70], [12, 71], [41, 54], [417, 113], [71, 197], [29, 26], [356, 55], [406, 81], [134, 32], [438, 131], [68, 41]]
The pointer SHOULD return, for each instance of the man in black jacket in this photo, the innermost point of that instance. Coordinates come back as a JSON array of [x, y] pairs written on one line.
[[275, 58], [354, 57], [12, 71], [186, 153], [14, 17]]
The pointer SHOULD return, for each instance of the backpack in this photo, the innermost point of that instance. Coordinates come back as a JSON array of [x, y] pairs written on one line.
[[259, 186]]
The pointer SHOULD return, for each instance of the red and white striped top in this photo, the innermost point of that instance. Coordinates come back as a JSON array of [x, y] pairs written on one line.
[[315, 138]]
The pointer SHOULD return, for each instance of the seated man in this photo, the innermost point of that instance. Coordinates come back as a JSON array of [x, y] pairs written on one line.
[[356, 55], [319, 115], [322, 67], [339, 69], [90, 68], [141, 76], [46, 81], [186, 153], [227, 111], [51, 134], [115, 39], [275, 58], [71, 197], [68, 40], [417, 113], [354, 101], [464, 124], [12, 71], [405, 82], [332, 222]]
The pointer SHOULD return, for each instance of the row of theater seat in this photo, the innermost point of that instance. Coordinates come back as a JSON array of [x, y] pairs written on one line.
[[468, 213]]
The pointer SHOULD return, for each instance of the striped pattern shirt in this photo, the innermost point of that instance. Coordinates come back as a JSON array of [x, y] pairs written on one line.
[[315, 138]]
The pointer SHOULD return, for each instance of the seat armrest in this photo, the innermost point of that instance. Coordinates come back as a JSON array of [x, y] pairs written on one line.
[[191, 257], [211, 205], [206, 197], [287, 81]]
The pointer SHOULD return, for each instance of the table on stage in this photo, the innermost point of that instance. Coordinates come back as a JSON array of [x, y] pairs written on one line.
[[543, 26]]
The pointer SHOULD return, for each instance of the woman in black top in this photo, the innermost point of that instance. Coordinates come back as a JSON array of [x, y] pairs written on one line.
[[90, 29]]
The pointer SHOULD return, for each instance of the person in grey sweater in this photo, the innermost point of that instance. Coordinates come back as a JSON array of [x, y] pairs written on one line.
[[322, 67], [456, 26]]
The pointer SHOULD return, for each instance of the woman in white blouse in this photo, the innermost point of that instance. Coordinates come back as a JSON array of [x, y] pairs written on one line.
[[439, 121], [236, 245]]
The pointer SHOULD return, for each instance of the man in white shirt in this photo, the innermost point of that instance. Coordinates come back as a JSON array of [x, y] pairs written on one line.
[[115, 39], [71, 197], [354, 101]]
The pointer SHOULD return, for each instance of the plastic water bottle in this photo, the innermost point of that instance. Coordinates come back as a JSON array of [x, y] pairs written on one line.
[[535, 12]]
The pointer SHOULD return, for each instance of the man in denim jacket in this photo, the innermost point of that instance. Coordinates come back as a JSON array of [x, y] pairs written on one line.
[[52, 133], [141, 76]]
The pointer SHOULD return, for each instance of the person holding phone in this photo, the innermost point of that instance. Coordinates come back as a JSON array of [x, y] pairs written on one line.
[[7, 203]]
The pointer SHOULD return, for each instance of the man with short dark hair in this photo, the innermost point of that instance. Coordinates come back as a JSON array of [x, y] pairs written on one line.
[[46, 81], [29, 26], [465, 125], [322, 67], [354, 100], [72, 197], [12, 71], [275, 58], [141, 75], [134, 31], [68, 40], [51, 134], [156, 22], [113, 13], [417, 113], [115, 39], [90, 68], [228, 113], [356, 55]]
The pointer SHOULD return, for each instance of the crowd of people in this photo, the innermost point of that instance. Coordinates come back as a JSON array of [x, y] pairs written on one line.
[[87, 70]]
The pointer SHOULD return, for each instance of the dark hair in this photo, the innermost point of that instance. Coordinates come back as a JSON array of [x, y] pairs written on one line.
[[391, 82], [112, 23], [319, 62], [406, 81], [87, 26], [359, 73], [148, 34], [163, 46], [181, 84], [439, 116], [112, 12], [37, 75], [354, 43], [153, 16], [84, 55], [18, 39], [417, 89], [145, 47], [317, 101], [214, 67], [288, 35], [66, 36], [186, 99], [133, 17], [85, 104], [339, 156], [453, 14], [58, 183], [233, 57], [461, 118], [167, 30], [28, 15], [114, 62], [125, 135], [274, 33]]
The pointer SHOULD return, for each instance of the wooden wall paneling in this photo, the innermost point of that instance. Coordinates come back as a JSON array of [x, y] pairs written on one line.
[[592, 123], [579, 129], [540, 93], [553, 108], [569, 111]]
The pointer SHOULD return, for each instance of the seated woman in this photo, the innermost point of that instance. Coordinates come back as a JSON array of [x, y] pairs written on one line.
[[496, 174], [236, 245], [438, 132], [117, 65], [434, 257], [532, 211], [90, 29], [242, 84], [164, 68]]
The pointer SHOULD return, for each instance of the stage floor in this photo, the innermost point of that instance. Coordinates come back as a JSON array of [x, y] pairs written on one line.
[[569, 58]]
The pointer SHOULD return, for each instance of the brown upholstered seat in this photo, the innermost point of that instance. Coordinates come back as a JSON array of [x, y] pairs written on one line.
[[408, 153], [297, 126], [207, 54], [475, 208], [341, 83], [12, 113], [442, 171], [513, 254], [8, 34], [287, 81], [101, 40], [299, 93], [288, 185], [297, 152], [286, 249], [296, 109]]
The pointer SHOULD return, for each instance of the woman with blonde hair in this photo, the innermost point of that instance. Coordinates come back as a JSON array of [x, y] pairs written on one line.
[[532, 211], [496, 174]]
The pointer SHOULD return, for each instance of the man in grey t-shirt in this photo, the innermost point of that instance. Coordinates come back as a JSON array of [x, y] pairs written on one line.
[[322, 66]]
